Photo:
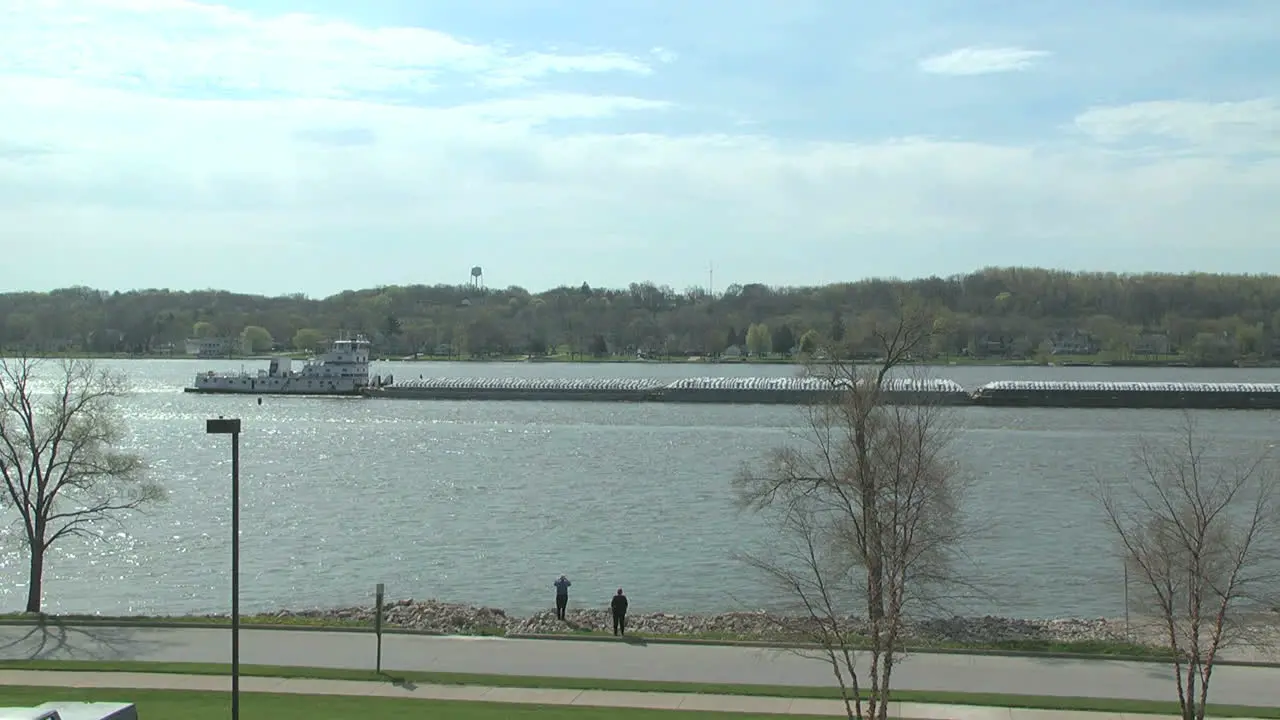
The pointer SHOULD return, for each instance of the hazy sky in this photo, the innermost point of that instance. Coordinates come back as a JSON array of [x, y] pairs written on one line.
[[279, 146]]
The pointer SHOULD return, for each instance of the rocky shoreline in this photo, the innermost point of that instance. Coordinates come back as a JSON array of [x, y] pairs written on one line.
[[452, 618]]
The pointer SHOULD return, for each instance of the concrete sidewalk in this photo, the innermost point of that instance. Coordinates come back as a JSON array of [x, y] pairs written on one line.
[[637, 660], [532, 696]]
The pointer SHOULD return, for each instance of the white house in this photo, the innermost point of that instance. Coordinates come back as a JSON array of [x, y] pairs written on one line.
[[211, 347]]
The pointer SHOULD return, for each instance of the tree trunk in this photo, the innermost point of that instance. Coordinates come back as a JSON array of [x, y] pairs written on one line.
[[35, 581]]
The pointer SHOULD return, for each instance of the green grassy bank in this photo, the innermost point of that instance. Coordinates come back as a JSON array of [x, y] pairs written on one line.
[[217, 705]]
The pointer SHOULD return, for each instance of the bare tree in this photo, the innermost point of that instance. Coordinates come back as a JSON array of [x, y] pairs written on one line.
[[62, 473], [872, 502], [1192, 526]]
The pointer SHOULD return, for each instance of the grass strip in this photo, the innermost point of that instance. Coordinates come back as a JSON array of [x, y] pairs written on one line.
[[1036, 702], [216, 706]]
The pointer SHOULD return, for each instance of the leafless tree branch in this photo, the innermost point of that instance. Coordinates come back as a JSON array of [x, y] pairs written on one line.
[[62, 474], [1191, 524], [872, 499]]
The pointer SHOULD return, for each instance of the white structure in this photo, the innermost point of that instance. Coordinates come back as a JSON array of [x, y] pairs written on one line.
[[212, 347], [72, 711], [343, 370]]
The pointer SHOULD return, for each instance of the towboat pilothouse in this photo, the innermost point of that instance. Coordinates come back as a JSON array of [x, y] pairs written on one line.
[[343, 370]]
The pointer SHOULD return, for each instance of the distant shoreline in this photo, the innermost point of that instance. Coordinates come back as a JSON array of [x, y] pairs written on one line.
[[627, 360]]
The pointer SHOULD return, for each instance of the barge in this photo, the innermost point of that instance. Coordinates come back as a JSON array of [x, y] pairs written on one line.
[[1131, 395], [805, 390], [706, 390]]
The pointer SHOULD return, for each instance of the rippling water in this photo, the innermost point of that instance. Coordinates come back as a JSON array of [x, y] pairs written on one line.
[[488, 502]]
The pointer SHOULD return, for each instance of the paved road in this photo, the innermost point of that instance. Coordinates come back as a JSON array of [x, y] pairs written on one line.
[[636, 661]]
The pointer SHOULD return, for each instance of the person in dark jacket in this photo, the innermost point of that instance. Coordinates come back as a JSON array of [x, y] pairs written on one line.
[[619, 607], [562, 596]]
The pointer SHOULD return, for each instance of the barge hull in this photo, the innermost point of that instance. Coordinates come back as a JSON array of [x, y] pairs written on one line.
[[801, 391], [358, 392], [683, 396], [1134, 401]]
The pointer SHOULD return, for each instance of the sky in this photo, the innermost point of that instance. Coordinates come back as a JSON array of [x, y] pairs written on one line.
[[277, 146]]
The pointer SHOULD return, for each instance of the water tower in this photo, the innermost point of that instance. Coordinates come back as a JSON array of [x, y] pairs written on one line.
[[477, 278]]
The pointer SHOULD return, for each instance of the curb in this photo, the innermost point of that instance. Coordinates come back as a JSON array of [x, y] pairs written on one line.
[[585, 637]]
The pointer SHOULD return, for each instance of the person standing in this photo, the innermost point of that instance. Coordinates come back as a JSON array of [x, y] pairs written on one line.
[[619, 607], [562, 596]]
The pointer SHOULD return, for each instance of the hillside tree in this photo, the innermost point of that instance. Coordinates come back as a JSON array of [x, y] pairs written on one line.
[[256, 339], [759, 340], [868, 504], [783, 339], [307, 339], [809, 342], [60, 430], [993, 311], [1195, 526], [837, 328]]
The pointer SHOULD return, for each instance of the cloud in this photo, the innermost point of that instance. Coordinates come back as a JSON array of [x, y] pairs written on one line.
[[333, 142], [980, 60], [339, 137], [19, 152], [456, 166], [664, 55], [540, 109], [181, 45], [1250, 126]]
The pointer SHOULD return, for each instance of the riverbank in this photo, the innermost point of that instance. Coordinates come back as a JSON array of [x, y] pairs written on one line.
[[452, 618], [1096, 361], [1065, 635]]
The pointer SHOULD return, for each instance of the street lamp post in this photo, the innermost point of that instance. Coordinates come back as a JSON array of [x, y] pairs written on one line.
[[231, 426]]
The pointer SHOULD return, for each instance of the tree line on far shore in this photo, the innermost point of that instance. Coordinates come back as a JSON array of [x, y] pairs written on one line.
[[999, 313], [869, 504]]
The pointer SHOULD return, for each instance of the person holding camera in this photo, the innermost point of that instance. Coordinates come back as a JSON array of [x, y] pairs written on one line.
[[562, 596]]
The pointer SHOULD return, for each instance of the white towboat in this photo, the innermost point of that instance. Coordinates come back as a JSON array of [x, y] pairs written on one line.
[[343, 370]]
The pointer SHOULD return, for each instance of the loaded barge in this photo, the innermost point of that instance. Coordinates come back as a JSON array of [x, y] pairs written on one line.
[[802, 390], [1143, 395], [712, 390]]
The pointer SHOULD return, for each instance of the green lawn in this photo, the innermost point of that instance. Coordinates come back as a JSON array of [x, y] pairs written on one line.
[[217, 706], [785, 691]]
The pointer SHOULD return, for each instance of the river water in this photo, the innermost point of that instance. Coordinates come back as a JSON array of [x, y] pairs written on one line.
[[487, 502]]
